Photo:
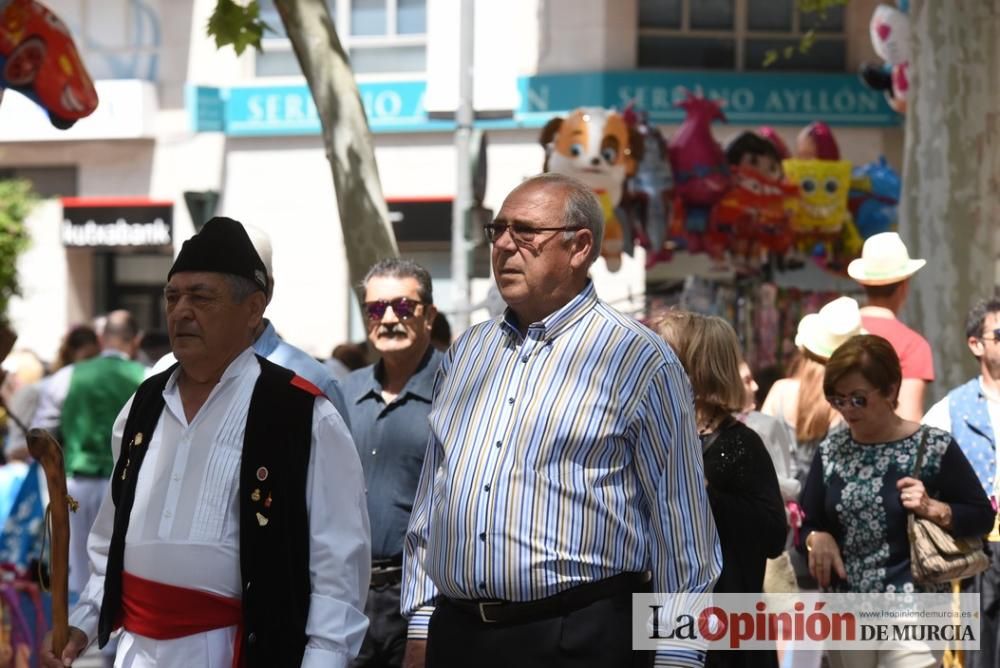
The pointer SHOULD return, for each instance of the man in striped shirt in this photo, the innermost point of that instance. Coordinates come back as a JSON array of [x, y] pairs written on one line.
[[563, 467]]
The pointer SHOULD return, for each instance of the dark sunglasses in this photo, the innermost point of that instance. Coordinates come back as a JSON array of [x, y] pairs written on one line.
[[855, 401], [521, 233], [995, 337], [404, 308]]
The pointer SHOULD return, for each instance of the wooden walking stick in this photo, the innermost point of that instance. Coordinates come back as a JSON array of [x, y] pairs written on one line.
[[48, 454]]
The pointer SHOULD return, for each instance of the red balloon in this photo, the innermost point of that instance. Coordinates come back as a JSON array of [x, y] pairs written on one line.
[[39, 59]]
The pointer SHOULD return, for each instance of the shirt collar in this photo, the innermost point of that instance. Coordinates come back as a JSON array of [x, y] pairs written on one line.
[[267, 341], [235, 368], [556, 322], [420, 384]]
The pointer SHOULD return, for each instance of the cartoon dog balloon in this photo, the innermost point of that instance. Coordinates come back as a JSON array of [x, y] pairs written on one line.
[[600, 149], [39, 60]]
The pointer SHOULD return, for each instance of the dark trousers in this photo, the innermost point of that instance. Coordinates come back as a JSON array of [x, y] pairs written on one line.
[[385, 641], [596, 636]]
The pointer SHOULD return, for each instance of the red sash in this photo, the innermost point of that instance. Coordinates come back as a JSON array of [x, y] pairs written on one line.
[[165, 612]]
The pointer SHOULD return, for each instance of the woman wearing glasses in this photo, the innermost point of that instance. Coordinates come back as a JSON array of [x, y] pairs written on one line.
[[860, 488]]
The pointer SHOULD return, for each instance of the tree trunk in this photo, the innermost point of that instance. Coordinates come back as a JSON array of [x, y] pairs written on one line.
[[951, 173], [364, 219]]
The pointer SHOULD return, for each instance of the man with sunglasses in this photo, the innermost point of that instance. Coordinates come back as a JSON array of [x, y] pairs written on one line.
[[563, 472], [971, 412], [389, 402]]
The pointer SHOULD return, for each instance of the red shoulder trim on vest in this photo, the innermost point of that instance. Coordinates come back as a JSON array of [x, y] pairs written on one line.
[[303, 384]]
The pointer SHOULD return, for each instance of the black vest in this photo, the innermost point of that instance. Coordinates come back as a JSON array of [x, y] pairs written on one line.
[[274, 522]]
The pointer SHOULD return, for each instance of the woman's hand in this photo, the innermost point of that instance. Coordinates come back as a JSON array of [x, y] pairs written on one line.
[[824, 557], [913, 496]]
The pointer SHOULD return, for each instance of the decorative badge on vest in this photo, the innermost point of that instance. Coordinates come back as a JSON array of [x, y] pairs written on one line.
[[136, 442]]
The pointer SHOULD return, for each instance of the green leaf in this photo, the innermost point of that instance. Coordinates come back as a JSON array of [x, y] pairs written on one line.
[[238, 25]]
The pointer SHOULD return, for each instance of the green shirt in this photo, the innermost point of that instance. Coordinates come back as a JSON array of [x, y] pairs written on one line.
[[98, 390]]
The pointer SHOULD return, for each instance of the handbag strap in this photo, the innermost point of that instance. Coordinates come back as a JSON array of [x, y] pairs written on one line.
[[921, 449]]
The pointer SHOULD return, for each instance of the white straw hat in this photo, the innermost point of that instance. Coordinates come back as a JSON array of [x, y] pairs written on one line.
[[884, 260], [822, 333]]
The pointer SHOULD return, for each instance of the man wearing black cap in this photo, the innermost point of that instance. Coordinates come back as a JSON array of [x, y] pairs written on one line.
[[236, 529]]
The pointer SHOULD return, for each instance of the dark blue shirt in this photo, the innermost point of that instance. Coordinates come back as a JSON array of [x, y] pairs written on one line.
[[391, 440]]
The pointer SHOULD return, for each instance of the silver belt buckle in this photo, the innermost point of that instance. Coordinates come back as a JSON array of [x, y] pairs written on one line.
[[482, 610]]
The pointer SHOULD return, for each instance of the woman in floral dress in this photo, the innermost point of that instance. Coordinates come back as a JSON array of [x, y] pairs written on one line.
[[860, 489]]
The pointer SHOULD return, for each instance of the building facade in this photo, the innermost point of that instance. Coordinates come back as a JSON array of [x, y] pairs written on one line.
[[182, 122]]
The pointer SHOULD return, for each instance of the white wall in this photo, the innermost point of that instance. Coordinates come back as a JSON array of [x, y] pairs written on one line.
[[40, 315]]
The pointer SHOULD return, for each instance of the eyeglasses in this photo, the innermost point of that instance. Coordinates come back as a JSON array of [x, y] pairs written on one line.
[[996, 336], [855, 400], [521, 233], [404, 308]]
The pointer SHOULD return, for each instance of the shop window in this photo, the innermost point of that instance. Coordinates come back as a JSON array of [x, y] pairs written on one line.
[[742, 35], [383, 37]]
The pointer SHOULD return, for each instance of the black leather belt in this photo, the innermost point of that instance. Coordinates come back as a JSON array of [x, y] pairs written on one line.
[[387, 571], [386, 576], [557, 605]]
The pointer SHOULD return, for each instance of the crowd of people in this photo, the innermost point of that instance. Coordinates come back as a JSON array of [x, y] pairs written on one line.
[[497, 500]]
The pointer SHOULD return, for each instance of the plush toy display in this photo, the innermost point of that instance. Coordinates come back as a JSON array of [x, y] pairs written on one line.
[[890, 35], [39, 59], [650, 191], [599, 148]]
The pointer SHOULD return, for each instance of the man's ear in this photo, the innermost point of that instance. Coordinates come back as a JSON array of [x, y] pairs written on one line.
[[583, 246], [256, 302], [976, 346], [429, 316]]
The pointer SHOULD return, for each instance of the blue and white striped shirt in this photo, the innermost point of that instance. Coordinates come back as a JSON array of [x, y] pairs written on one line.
[[559, 458]]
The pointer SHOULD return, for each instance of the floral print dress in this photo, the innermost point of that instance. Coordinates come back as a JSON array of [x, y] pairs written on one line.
[[851, 493]]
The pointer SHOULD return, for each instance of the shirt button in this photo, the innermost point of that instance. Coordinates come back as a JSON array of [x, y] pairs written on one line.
[[486, 487], [498, 444], [177, 476], [524, 359], [482, 536], [511, 400], [252, 638], [482, 585], [373, 452], [167, 514]]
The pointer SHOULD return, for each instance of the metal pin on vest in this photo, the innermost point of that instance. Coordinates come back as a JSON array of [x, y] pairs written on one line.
[[136, 441]]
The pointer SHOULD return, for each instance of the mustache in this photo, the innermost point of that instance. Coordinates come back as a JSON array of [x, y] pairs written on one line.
[[391, 330]]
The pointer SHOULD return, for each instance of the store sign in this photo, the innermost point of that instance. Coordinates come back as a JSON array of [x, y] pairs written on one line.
[[90, 222], [748, 98]]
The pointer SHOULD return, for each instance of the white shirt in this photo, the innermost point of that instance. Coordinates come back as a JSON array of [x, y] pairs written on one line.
[[184, 526]]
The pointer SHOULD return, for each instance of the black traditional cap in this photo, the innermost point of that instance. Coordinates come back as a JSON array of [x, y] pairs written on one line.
[[222, 246]]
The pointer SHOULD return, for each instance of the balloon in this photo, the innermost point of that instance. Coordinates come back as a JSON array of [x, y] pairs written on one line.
[[822, 206], [874, 197], [890, 34], [39, 59], [697, 160], [651, 189], [600, 149]]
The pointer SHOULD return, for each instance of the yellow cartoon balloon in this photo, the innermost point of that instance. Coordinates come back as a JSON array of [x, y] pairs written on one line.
[[821, 211]]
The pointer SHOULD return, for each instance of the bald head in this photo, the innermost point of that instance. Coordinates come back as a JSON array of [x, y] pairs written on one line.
[[121, 332]]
